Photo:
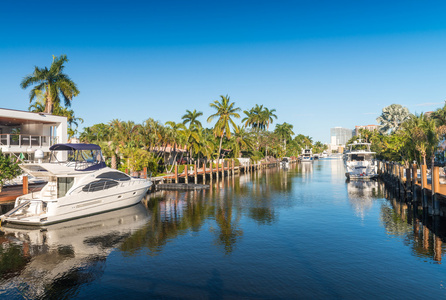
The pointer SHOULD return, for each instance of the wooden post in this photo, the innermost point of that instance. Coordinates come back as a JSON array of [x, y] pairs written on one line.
[[423, 176], [211, 169], [126, 171], [233, 168], [176, 173], [145, 172], [408, 179], [204, 172], [435, 190], [186, 172], [414, 174], [25, 185], [217, 169], [195, 173]]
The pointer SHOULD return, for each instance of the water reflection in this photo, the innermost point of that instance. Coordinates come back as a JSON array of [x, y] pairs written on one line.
[[424, 233], [361, 194], [272, 233], [58, 259]]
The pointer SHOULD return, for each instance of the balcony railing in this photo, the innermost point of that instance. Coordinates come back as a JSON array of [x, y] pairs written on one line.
[[26, 140]]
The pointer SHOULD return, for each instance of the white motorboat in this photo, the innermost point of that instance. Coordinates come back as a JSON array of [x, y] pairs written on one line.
[[307, 155], [360, 161], [79, 184], [285, 163]]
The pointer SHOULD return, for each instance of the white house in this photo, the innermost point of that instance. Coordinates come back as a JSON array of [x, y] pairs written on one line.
[[22, 132]]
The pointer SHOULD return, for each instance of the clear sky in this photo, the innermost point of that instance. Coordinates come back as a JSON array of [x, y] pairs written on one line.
[[320, 64]]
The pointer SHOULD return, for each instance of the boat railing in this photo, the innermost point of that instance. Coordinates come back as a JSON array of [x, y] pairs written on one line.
[[27, 140], [104, 184]]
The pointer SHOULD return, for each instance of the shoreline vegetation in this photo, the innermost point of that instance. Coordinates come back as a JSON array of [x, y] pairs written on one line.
[[405, 138], [402, 137], [130, 146]]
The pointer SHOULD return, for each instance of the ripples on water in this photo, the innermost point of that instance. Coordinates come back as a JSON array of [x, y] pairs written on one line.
[[272, 234]]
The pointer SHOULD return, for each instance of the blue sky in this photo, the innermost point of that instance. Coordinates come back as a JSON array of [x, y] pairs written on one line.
[[320, 64]]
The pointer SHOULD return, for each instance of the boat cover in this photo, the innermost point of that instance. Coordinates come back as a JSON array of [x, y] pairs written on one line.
[[69, 147]]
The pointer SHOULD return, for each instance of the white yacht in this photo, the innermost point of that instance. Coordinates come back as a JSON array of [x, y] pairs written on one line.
[[285, 163], [360, 161], [79, 184], [307, 155]]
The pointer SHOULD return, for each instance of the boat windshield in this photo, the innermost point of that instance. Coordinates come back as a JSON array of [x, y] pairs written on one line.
[[81, 157]]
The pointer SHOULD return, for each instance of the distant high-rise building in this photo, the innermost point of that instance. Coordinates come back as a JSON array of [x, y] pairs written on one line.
[[368, 127], [340, 136]]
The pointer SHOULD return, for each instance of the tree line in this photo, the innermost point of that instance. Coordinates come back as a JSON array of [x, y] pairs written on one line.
[[405, 137], [133, 146]]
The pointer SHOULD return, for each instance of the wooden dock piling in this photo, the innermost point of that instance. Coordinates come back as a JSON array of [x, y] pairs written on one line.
[[25, 185]]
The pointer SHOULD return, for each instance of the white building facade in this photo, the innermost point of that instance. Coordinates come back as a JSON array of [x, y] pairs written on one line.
[[340, 136], [22, 132]]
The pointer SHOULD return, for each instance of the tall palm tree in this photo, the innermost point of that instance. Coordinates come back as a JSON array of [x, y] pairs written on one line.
[[225, 112], [440, 115], [52, 82], [392, 117], [241, 139], [268, 116], [191, 117], [284, 131], [175, 137]]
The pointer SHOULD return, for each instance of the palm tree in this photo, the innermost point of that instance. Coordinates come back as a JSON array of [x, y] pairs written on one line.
[[175, 137], [241, 139], [225, 112], [52, 82], [392, 117], [268, 116], [191, 117], [440, 115], [284, 131]]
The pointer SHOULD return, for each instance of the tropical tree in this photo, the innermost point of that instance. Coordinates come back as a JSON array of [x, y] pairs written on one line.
[[8, 169], [392, 117], [191, 117], [225, 112], [284, 131], [440, 115], [268, 116], [242, 139], [52, 82]]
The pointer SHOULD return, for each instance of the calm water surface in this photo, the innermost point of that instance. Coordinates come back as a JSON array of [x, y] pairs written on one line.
[[275, 234]]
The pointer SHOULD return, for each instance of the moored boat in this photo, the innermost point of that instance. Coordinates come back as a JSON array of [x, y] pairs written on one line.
[[307, 155], [360, 161], [79, 185]]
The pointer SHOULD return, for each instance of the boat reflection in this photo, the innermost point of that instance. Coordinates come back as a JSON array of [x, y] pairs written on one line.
[[361, 194], [41, 258]]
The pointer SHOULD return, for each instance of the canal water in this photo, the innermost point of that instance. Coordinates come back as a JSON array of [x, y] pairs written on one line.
[[302, 232]]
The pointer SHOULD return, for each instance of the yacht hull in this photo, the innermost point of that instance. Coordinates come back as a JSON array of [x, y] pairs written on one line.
[[75, 206]]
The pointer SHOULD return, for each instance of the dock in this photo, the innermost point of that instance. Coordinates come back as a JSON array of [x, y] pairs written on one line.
[[408, 185], [181, 186]]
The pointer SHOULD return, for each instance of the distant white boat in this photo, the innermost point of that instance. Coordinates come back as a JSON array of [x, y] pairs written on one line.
[[307, 155], [285, 163], [360, 161], [79, 186]]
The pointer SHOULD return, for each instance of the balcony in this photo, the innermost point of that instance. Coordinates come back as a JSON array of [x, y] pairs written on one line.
[[27, 141]]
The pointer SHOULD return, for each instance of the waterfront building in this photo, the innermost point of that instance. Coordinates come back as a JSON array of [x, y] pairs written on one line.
[[23, 132], [368, 127], [340, 136]]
